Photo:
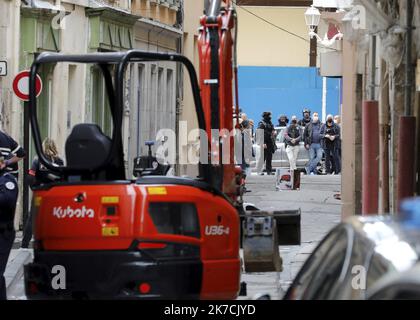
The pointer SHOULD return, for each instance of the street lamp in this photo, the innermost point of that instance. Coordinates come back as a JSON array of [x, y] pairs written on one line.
[[312, 19]]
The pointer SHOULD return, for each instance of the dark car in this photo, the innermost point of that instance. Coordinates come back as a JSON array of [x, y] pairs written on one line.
[[400, 286], [356, 255]]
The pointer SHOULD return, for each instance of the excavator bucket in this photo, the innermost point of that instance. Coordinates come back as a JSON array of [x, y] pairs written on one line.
[[262, 233]]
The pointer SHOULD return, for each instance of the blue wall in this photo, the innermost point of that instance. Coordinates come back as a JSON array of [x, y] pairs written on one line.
[[284, 90]]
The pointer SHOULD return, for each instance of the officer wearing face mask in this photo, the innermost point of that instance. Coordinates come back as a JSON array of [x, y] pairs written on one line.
[[330, 134], [306, 118], [269, 145], [312, 140], [283, 121]]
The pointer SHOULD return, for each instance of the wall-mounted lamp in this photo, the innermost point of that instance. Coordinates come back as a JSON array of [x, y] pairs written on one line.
[[312, 19]]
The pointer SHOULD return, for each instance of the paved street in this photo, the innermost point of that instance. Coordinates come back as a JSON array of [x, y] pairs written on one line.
[[320, 212]]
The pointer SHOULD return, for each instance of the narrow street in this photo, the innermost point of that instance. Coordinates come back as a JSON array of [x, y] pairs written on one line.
[[320, 212]]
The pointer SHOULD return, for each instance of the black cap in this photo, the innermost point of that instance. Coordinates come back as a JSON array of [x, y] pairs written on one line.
[[266, 114]]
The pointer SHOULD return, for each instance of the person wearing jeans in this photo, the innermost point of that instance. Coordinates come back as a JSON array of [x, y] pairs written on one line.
[[315, 156], [312, 138]]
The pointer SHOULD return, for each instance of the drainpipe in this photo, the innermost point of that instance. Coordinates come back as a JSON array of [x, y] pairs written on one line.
[[406, 141]]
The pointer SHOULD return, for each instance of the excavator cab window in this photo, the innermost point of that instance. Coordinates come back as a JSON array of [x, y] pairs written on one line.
[[175, 218]]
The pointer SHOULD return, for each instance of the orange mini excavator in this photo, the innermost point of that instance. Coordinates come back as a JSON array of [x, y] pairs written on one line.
[[156, 236]]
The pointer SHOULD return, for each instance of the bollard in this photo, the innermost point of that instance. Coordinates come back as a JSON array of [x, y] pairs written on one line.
[[370, 157]]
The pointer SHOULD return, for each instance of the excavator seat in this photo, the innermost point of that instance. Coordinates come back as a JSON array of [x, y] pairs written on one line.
[[87, 146]]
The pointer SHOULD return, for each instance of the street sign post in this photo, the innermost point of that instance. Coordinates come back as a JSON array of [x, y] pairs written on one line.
[[3, 68], [21, 90]]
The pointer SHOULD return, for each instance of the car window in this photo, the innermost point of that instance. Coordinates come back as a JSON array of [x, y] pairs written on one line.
[[328, 277], [408, 294], [352, 284], [307, 280], [378, 267], [398, 292]]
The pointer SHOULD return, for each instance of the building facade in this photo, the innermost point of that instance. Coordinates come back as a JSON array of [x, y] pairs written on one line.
[[381, 106], [75, 93]]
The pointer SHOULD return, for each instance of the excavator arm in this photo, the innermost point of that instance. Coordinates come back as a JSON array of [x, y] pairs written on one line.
[[262, 231], [216, 47]]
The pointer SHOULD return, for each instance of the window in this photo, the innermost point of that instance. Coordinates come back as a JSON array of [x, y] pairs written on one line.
[[101, 113], [161, 90], [400, 290], [329, 271], [170, 98], [45, 100], [72, 96], [175, 218], [378, 267], [322, 267], [140, 102], [353, 281]]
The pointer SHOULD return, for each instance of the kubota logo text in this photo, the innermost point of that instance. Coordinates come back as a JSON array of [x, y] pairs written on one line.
[[68, 212]]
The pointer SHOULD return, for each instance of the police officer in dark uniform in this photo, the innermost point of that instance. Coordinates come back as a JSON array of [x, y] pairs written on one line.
[[11, 154], [306, 113], [283, 121], [269, 145]]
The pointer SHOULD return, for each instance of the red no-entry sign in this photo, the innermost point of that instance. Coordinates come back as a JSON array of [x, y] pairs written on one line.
[[21, 85]]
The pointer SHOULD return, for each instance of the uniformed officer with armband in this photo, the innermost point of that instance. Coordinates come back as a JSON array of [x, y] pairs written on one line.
[[10, 154]]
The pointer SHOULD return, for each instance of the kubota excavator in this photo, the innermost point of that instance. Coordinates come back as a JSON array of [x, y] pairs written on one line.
[[155, 236]]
